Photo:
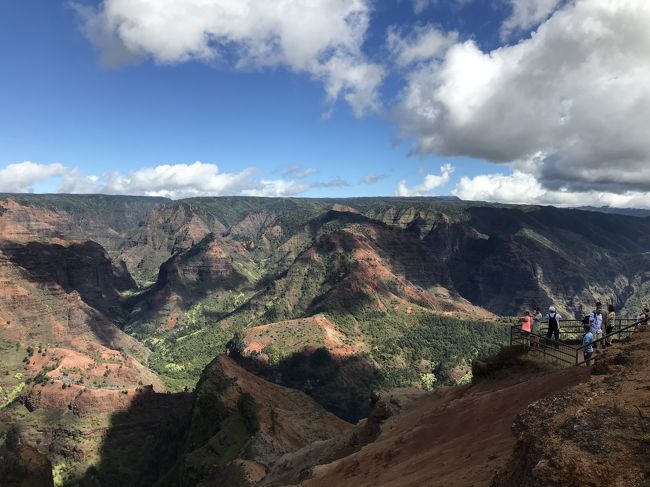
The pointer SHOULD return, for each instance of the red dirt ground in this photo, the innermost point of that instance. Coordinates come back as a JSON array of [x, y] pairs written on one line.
[[454, 437]]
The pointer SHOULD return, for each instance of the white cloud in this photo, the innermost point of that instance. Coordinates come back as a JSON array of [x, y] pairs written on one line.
[[527, 14], [420, 6], [283, 187], [277, 187], [20, 177], [177, 181], [522, 188], [332, 183], [430, 183], [519, 188], [297, 171], [169, 180], [320, 37], [575, 96], [423, 43], [373, 178]]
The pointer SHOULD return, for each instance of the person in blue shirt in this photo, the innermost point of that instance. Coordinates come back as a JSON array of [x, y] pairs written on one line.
[[588, 339]]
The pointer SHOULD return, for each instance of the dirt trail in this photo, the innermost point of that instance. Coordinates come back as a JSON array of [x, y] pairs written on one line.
[[454, 437]]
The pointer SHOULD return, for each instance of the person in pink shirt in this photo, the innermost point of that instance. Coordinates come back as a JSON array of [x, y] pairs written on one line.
[[526, 322]]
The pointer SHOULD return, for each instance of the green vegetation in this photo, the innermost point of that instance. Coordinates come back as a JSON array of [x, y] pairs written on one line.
[[12, 381], [428, 380], [506, 358], [7, 397], [397, 343]]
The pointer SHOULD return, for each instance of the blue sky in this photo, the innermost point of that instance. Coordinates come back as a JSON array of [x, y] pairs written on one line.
[[297, 121]]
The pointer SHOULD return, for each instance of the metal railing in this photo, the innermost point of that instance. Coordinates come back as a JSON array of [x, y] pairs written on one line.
[[572, 331], [549, 349], [627, 330], [562, 350]]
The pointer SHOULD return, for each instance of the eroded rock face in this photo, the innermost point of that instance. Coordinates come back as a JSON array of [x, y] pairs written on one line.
[[84, 401], [82, 267], [69, 218]]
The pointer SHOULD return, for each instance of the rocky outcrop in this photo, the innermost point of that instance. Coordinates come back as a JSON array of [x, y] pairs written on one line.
[[592, 435], [210, 267], [168, 229], [253, 421]]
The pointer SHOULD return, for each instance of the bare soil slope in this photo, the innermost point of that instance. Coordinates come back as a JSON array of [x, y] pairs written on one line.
[[454, 437], [595, 434]]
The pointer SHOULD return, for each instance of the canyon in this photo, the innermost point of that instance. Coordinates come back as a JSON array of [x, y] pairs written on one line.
[[116, 312]]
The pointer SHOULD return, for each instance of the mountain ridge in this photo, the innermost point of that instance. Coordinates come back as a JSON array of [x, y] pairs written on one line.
[[337, 298]]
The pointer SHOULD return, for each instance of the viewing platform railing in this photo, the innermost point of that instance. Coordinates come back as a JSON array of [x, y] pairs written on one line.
[[566, 350]]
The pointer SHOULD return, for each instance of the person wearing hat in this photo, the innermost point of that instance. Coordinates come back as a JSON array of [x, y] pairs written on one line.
[[596, 323], [553, 318]]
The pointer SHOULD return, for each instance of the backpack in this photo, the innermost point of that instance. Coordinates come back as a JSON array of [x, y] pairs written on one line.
[[552, 322], [586, 319]]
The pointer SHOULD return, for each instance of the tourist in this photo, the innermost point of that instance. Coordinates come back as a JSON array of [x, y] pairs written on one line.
[[642, 317], [611, 321], [526, 322], [537, 327], [587, 340], [596, 324], [553, 318]]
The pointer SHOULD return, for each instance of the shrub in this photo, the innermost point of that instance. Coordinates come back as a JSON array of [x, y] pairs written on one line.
[[427, 380], [506, 358], [40, 378]]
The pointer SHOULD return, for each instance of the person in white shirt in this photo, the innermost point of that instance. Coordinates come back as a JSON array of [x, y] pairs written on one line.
[[553, 318], [596, 325]]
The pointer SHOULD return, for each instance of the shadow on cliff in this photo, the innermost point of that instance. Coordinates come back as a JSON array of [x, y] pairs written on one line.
[[342, 386], [141, 444], [82, 267], [148, 443]]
